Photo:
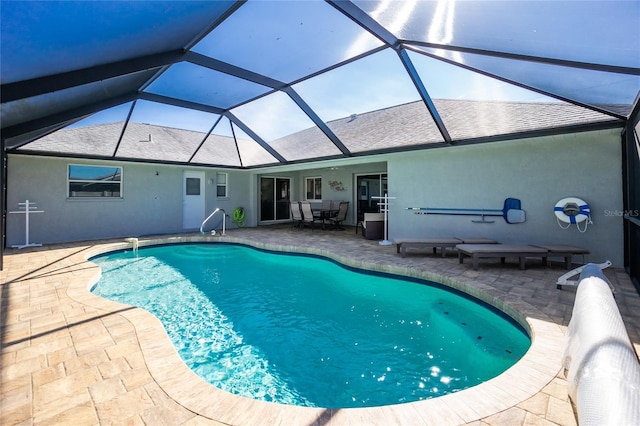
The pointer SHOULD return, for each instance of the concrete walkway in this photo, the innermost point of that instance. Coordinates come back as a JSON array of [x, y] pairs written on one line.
[[69, 357]]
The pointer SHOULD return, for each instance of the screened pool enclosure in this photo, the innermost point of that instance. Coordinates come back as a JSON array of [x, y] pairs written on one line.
[[248, 84]]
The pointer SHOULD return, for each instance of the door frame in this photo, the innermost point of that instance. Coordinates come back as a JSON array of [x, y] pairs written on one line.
[[188, 216], [275, 199], [356, 192]]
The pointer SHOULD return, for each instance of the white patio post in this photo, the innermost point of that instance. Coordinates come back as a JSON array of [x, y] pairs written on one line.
[[26, 208], [385, 207]]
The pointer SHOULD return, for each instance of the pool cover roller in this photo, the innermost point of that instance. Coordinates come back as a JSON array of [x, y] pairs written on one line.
[[601, 366]]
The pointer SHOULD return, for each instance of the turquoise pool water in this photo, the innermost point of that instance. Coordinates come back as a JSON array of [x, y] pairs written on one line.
[[307, 331]]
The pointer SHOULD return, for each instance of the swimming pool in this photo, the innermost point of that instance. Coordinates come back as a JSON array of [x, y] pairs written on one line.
[[317, 334]]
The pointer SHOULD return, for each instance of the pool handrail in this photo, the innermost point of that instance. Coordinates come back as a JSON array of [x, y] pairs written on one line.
[[224, 216]]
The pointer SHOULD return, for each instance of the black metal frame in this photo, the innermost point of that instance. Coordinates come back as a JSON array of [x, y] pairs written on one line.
[[156, 64], [17, 135], [3, 198], [631, 195]]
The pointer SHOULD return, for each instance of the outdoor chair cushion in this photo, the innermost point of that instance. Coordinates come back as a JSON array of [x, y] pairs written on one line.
[[373, 226], [374, 230]]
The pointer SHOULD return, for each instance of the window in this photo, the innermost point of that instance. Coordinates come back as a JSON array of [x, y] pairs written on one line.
[[221, 185], [94, 181], [314, 188], [193, 186]]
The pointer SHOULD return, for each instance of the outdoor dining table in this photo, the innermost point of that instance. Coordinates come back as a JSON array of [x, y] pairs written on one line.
[[325, 214]]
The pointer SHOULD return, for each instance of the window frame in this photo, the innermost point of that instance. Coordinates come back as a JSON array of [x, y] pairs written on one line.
[[317, 188], [224, 185], [70, 181]]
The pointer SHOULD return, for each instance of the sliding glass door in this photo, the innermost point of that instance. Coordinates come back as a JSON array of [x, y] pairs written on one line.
[[368, 186], [274, 198]]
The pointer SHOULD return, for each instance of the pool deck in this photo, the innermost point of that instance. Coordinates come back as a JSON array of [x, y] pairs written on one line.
[[69, 357]]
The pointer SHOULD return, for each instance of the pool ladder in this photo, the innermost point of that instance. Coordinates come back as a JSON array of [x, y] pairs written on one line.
[[213, 231]]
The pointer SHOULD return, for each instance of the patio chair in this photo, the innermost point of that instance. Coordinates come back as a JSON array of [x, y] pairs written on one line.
[[322, 212], [372, 226], [340, 217], [307, 215], [296, 214]]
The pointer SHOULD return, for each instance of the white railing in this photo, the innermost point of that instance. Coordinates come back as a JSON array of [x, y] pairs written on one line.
[[27, 208], [601, 366], [224, 221], [564, 279]]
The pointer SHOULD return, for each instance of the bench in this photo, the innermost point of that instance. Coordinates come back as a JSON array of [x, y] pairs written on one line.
[[561, 250], [480, 251], [435, 243]]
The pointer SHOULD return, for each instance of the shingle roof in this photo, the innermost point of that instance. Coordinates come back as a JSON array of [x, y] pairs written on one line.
[[402, 126]]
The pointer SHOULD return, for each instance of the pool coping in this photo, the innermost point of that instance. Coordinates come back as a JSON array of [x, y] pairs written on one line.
[[538, 367]]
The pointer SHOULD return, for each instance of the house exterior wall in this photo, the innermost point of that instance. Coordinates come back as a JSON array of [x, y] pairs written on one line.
[[151, 203], [344, 174], [539, 172]]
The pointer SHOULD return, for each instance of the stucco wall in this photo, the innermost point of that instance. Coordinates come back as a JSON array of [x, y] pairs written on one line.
[[151, 203], [538, 171], [345, 174]]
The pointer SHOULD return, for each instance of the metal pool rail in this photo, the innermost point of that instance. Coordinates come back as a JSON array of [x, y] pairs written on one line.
[[224, 216]]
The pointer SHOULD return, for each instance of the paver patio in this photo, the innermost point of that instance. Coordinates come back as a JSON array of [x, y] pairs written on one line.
[[69, 357]]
